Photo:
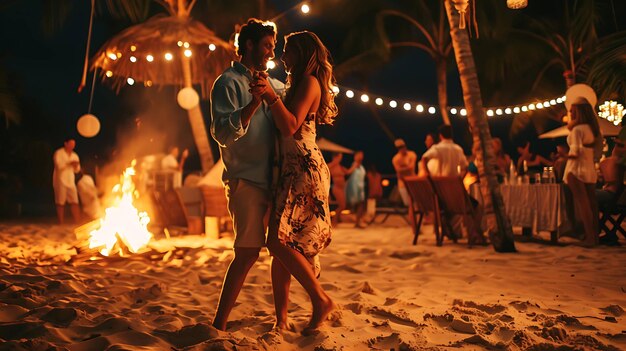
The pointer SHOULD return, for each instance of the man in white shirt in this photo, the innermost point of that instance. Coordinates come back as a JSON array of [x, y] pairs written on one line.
[[170, 163], [404, 162], [452, 160], [66, 163]]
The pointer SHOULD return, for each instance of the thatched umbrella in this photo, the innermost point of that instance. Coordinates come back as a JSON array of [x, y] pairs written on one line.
[[168, 50]]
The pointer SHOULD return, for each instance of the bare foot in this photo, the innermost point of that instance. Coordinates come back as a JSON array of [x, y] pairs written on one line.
[[282, 326], [320, 314]]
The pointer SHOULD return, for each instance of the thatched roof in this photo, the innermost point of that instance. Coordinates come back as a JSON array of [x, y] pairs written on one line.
[[156, 37]]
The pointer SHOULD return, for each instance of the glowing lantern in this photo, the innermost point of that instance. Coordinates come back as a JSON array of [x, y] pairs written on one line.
[[516, 4], [88, 125], [188, 98]]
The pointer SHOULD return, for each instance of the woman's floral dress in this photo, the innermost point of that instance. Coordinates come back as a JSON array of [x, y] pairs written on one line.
[[301, 210]]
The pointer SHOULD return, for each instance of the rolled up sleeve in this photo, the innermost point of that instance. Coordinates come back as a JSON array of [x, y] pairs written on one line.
[[226, 109]]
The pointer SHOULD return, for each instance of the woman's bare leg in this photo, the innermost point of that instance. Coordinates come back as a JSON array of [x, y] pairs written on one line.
[[583, 203], [340, 195], [281, 281], [300, 268]]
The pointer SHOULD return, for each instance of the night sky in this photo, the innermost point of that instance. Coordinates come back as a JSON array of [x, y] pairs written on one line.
[[44, 71]]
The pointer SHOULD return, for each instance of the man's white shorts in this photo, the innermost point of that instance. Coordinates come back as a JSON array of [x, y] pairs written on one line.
[[63, 194], [248, 206]]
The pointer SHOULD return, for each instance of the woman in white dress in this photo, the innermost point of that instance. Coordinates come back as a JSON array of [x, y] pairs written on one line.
[[585, 144]]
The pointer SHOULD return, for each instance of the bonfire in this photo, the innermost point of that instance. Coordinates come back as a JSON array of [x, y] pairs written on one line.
[[123, 226]]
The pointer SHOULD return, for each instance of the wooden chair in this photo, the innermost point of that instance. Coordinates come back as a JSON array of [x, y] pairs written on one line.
[[215, 204], [423, 200], [613, 212], [454, 200]]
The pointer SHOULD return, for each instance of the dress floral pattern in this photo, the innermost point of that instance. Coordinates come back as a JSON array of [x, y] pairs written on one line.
[[301, 211]]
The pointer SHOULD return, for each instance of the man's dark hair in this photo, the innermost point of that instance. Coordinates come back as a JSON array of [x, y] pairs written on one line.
[[445, 131], [253, 30], [68, 138]]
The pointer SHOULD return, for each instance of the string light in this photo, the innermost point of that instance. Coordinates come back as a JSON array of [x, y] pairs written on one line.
[[150, 58], [133, 48], [169, 56], [109, 74], [186, 45], [612, 112], [365, 98], [305, 8], [133, 59], [130, 81], [458, 110], [187, 53], [212, 47]]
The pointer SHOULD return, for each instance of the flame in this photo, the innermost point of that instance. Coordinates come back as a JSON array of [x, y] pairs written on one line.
[[122, 221]]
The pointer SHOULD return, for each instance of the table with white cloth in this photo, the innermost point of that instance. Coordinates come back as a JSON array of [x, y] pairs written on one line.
[[536, 207]]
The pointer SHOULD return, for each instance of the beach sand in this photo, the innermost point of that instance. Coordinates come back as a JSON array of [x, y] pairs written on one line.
[[391, 295]]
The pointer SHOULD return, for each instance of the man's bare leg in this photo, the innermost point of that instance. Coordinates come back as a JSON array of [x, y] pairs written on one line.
[[233, 281], [61, 213], [75, 209]]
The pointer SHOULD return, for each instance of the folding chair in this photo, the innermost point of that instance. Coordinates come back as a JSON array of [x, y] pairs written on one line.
[[454, 200], [423, 200]]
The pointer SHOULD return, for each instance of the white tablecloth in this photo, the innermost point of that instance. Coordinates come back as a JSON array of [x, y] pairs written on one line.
[[537, 206]]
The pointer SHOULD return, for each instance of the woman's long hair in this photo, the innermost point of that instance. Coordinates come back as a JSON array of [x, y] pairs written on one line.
[[312, 57], [586, 115]]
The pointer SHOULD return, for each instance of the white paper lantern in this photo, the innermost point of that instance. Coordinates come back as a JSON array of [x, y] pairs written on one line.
[[88, 125], [580, 90], [188, 98]]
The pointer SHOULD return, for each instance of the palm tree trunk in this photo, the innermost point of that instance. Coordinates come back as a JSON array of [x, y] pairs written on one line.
[[442, 88], [499, 226], [196, 120]]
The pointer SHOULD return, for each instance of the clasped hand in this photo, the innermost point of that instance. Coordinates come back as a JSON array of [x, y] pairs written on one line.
[[260, 88]]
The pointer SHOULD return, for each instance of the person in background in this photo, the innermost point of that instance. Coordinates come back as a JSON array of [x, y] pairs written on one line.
[[374, 182], [338, 174], [503, 160], [170, 163], [404, 162], [66, 163], [355, 190], [430, 140], [88, 194], [450, 156], [585, 141], [533, 163], [560, 160]]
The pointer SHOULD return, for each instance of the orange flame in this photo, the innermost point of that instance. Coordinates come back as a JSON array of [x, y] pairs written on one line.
[[122, 221]]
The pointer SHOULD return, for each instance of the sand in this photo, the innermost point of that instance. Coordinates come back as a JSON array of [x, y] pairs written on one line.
[[391, 295]]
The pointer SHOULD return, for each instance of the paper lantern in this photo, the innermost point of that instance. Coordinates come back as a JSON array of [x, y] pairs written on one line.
[[580, 90], [88, 125], [188, 98], [516, 4]]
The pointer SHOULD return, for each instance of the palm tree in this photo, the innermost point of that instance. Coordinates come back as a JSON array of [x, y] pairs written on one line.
[[433, 38], [573, 44], [499, 226]]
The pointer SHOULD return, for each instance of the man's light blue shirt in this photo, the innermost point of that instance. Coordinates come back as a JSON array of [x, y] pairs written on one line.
[[247, 152]]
